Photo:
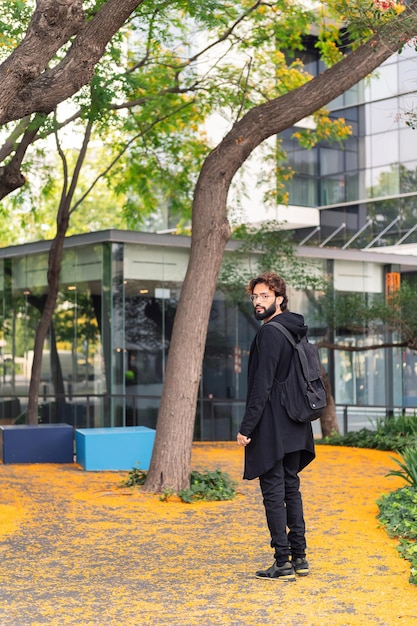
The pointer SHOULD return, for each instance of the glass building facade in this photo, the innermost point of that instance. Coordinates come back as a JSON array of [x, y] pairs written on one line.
[[366, 187], [104, 358], [105, 355]]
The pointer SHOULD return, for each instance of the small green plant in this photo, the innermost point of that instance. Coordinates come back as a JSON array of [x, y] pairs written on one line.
[[164, 497], [135, 477], [209, 486], [408, 466]]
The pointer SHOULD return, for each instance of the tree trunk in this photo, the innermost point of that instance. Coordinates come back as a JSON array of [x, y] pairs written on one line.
[[328, 420], [54, 272], [171, 459]]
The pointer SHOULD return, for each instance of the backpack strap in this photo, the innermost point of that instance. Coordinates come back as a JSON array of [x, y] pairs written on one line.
[[301, 354], [284, 331]]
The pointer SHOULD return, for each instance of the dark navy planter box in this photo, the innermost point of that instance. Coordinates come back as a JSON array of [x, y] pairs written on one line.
[[42, 443]]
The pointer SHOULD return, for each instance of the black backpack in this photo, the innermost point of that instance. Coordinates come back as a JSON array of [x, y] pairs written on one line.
[[303, 392]]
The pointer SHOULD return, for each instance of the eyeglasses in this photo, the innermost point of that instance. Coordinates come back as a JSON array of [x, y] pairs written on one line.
[[261, 296]]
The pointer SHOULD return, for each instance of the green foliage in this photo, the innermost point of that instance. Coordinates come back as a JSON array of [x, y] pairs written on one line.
[[371, 313], [362, 18], [390, 433], [262, 248], [207, 485], [398, 513], [136, 477], [164, 72], [14, 16], [408, 466]]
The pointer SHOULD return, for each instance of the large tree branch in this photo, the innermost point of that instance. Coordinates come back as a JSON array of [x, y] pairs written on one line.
[[283, 112], [51, 26], [57, 84], [11, 177]]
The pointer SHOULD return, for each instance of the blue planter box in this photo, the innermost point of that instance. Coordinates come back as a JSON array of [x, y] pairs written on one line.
[[41, 443], [114, 448]]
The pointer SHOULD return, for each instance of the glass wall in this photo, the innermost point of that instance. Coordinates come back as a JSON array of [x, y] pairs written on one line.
[[152, 279], [373, 174], [360, 376], [72, 372], [105, 355]]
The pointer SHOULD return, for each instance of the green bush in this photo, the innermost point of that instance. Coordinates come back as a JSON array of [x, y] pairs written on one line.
[[390, 433], [408, 467], [135, 477], [208, 485], [398, 513]]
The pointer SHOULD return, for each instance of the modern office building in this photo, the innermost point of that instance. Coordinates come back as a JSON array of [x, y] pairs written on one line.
[[106, 351], [363, 193]]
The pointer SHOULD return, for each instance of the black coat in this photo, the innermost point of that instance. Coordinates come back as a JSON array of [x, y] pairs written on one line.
[[273, 433]]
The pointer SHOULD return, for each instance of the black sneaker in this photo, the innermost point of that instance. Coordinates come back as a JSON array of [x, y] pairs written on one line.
[[283, 572], [301, 566]]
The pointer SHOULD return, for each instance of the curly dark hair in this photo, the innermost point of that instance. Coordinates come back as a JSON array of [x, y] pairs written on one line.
[[273, 282]]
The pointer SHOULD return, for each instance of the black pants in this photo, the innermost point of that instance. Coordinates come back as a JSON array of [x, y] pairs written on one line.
[[280, 488]]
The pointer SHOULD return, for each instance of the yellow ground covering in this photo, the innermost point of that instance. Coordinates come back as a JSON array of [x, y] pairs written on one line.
[[75, 548]]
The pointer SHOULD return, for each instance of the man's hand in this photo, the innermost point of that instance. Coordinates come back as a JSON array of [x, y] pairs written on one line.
[[242, 440]]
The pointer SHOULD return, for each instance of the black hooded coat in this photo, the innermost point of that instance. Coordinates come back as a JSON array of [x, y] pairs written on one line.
[[273, 433]]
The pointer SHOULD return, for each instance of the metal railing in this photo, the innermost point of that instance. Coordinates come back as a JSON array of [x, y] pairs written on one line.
[[217, 419]]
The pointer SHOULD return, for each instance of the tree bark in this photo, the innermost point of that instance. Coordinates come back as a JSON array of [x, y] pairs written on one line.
[[28, 86], [51, 26], [171, 460], [328, 420], [54, 272]]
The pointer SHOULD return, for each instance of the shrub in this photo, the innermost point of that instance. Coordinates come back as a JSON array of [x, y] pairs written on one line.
[[208, 485], [136, 477], [390, 433], [398, 513], [408, 466]]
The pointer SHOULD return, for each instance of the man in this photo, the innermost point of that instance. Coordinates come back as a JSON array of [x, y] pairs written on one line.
[[276, 447]]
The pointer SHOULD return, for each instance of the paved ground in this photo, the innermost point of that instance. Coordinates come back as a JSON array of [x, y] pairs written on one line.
[[76, 548]]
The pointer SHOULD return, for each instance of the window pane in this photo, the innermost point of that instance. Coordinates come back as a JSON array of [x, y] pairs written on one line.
[[385, 181], [408, 150], [303, 191], [384, 149], [382, 116], [385, 83], [332, 190], [303, 161], [331, 161], [352, 187]]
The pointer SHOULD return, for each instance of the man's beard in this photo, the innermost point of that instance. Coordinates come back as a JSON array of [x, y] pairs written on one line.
[[261, 315]]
